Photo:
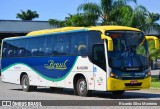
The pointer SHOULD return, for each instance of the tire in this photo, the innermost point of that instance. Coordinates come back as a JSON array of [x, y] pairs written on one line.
[[25, 84], [118, 93], [81, 88]]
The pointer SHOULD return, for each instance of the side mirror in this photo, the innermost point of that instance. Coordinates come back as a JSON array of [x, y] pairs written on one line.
[[110, 42], [156, 41]]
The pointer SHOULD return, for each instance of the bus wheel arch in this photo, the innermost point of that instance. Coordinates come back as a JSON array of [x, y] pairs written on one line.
[[80, 79], [24, 81]]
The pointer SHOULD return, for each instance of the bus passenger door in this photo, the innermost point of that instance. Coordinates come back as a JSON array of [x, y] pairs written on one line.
[[99, 67]]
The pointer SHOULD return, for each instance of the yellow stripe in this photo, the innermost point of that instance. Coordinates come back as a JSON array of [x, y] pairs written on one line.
[[65, 29]]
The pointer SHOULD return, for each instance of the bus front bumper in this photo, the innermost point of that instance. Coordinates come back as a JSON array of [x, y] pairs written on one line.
[[117, 84]]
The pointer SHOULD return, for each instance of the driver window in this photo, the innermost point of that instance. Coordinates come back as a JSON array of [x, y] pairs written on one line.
[[99, 56]]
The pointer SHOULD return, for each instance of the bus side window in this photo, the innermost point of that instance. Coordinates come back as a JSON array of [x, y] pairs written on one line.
[[99, 53], [21, 52], [10, 49], [79, 43], [48, 45], [40, 52], [41, 46], [34, 52], [82, 49], [10, 53], [61, 45], [48, 51], [5, 49], [31, 48]]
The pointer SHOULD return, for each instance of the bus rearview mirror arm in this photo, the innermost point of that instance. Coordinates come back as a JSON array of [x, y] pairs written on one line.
[[110, 42], [156, 41]]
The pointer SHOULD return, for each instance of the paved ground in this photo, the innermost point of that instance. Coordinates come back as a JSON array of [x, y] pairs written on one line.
[[14, 92]]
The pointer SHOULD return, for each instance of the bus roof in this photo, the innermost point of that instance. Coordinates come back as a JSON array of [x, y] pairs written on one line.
[[73, 29], [57, 30], [69, 29]]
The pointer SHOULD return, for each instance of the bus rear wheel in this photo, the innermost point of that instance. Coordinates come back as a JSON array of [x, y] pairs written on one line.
[[119, 92], [81, 87], [25, 84]]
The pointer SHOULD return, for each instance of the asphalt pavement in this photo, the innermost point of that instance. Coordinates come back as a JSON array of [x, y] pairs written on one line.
[[14, 92]]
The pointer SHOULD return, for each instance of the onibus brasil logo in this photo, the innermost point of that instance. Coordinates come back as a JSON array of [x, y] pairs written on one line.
[[59, 66]]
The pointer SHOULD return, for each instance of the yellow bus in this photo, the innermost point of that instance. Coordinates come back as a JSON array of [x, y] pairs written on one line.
[[102, 58]]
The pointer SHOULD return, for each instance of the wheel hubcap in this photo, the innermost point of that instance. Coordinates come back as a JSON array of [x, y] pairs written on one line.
[[25, 83], [82, 86]]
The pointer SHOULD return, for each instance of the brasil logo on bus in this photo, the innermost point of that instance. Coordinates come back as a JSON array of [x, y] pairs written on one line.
[[58, 66]]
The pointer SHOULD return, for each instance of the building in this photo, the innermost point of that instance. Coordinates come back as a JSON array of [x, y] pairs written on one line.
[[10, 28]]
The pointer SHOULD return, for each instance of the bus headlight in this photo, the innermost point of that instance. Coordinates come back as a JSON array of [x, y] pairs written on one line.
[[148, 74], [113, 75]]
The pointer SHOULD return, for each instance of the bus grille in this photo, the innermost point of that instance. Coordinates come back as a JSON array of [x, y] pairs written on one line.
[[129, 84]]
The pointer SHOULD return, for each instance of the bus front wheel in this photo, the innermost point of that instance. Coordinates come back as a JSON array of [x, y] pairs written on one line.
[[81, 87], [25, 84]]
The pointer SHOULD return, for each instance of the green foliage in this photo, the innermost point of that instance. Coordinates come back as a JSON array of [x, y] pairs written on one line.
[[118, 12], [155, 79], [110, 12], [155, 84], [58, 23], [79, 19], [153, 53], [27, 15], [151, 22]]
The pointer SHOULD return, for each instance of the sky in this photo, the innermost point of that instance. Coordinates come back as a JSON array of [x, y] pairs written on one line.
[[56, 9]]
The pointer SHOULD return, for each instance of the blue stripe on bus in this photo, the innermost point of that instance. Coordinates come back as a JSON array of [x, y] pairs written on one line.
[[51, 68]]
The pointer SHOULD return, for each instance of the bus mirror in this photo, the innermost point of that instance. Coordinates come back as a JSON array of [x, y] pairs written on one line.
[[110, 42], [156, 41]]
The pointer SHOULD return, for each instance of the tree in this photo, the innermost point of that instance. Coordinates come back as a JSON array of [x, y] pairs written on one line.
[[153, 53], [141, 18], [118, 12], [57, 23], [27, 15], [79, 19], [108, 10], [151, 22]]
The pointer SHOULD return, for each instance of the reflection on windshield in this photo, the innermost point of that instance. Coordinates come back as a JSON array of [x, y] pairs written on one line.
[[130, 49]]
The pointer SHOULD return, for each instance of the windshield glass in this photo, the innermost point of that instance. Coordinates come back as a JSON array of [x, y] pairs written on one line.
[[130, 50]]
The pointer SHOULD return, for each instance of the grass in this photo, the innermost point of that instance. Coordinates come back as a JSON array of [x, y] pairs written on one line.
[[155, 83]]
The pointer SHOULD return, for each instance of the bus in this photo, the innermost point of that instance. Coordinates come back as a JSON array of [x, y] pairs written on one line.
[[85, 59]]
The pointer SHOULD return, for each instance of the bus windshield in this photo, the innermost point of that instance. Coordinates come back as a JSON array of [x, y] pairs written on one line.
[[130, 50]]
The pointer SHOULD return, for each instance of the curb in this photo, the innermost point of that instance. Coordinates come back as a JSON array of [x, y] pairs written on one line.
[[152, 88]]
